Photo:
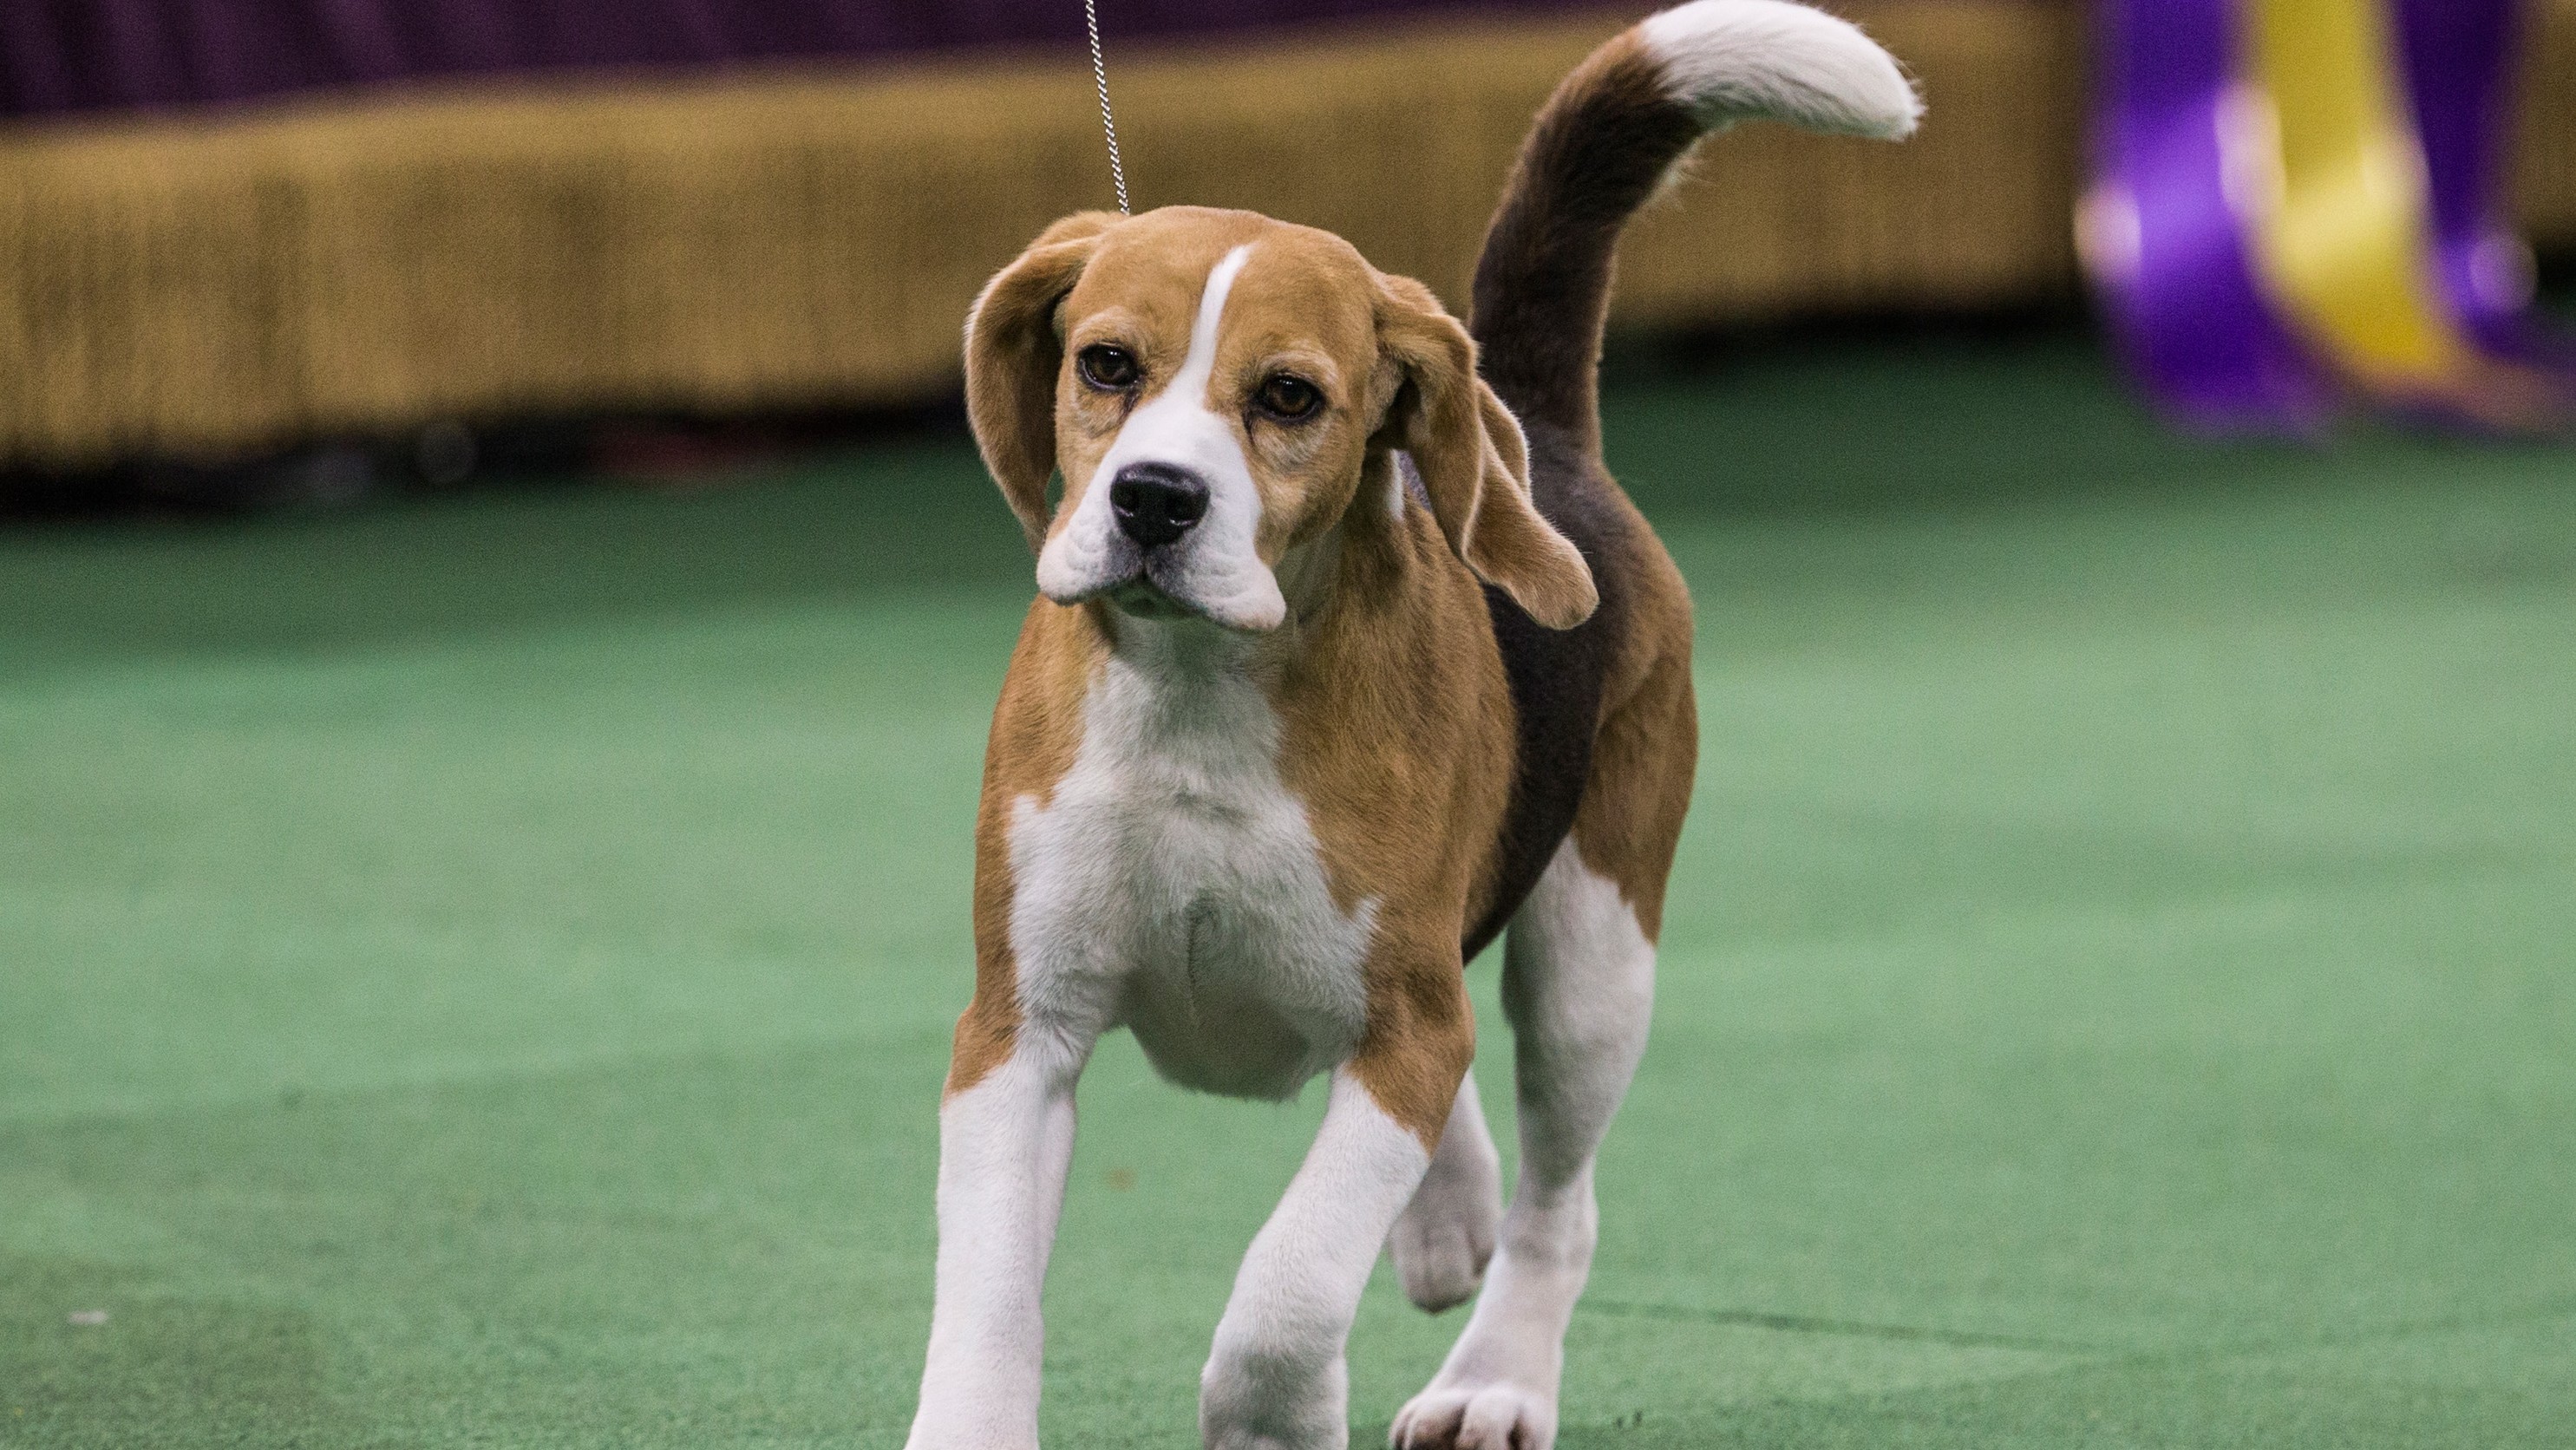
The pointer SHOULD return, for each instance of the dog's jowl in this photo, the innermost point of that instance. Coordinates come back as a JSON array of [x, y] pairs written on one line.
[[1350, 657]]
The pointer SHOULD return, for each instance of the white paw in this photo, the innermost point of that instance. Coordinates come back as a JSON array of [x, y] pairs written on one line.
[[1440, 1257], [1475, 1417], [1445, 1236]]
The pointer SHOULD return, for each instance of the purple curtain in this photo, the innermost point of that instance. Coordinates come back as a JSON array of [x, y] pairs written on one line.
[[90, 55]]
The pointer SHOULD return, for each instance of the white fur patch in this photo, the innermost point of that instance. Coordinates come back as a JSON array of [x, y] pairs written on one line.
[[1173, 883], [1743, 60], [1215, 567]]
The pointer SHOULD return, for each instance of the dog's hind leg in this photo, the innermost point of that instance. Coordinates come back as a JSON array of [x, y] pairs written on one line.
[[1578, 982], [1578, 986], [1446, 1236]]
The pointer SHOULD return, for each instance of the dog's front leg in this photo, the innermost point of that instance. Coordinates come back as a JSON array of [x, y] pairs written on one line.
[[1276, 1379], [1004, 1145]]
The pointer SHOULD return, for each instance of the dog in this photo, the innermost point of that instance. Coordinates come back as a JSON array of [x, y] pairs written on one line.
[[1350, 656]]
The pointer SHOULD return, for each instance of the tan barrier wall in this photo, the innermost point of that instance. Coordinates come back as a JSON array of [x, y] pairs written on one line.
[[813, 239]]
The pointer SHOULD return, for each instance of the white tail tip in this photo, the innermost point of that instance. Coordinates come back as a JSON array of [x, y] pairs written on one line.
[[1742, 60]]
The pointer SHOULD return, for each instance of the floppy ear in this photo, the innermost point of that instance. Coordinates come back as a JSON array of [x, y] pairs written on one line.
[[1013, 353], [1473, 460]]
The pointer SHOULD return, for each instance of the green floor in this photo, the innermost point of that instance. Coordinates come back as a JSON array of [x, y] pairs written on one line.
[[478, 974]]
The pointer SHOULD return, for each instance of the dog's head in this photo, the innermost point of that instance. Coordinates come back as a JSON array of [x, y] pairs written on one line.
[[1212, 385]]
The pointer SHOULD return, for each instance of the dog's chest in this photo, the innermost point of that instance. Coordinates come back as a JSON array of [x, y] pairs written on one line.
[[1174, 884]]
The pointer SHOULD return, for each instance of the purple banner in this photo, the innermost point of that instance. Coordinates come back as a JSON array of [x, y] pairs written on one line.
[[2164, 241]]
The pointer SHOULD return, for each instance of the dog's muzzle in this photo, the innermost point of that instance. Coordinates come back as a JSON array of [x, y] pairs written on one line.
[[1165, 538]]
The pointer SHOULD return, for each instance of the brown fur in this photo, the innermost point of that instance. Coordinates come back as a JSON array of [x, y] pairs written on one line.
[[1639, 785], [1014, 356], [1475, 463], [1403, 657]]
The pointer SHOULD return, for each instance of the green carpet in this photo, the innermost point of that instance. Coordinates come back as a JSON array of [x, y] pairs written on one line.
[[478, 973]]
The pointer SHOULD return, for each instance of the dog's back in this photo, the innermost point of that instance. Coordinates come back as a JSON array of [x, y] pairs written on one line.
[[1603, 144]]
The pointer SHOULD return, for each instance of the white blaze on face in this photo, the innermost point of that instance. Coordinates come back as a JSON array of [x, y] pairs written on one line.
[[1215, 567]]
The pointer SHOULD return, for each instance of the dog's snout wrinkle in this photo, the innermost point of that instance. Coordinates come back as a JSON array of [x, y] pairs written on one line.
[[1156, 503]]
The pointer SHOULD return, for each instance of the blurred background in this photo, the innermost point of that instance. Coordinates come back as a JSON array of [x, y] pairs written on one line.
[[499, 610]]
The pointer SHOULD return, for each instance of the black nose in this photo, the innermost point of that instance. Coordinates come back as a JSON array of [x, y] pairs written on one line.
[[1156, 503]]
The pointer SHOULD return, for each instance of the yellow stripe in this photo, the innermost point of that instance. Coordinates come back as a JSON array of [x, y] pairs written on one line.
[[2343, 235]]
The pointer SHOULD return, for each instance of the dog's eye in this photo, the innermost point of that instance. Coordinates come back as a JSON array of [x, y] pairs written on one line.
[[1103, 366], [1287, 396]]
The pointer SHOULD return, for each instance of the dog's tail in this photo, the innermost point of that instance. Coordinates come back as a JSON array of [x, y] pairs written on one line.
[[1605, 141]]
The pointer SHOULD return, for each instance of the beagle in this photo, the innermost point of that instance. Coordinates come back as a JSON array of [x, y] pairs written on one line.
[[1350, 656]]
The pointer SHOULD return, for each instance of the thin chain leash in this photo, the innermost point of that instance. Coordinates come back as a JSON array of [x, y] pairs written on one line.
[[1108, 123]]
